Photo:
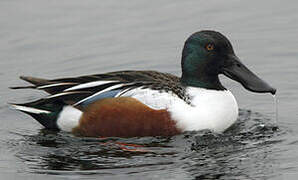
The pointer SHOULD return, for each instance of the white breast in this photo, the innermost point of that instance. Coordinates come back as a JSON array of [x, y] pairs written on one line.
[[211, 109]]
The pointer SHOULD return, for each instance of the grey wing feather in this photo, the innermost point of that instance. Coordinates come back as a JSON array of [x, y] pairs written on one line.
[[58, 88]]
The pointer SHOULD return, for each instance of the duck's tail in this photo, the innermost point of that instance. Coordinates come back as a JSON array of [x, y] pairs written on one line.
[[46, 113], [35, 81]]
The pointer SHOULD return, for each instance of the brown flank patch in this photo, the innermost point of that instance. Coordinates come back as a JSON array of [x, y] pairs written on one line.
[[124, 117]]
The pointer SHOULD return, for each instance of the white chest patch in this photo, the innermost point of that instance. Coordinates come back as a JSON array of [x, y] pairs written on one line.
[[211, 109]]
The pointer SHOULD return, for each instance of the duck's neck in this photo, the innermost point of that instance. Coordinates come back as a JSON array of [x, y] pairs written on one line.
[[202, 81]]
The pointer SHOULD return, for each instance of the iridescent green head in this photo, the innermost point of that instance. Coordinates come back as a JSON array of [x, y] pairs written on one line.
[[206, 54]]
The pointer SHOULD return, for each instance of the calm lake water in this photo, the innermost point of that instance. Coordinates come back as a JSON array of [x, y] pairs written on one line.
[[61, 38]]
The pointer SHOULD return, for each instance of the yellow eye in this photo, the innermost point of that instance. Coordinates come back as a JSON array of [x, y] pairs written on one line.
[[209, 47]]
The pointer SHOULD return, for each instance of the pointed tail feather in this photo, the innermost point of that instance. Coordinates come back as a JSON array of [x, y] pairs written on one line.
[[49, 86], [35, 81], [30, 110], [22, 87], [45, 113]]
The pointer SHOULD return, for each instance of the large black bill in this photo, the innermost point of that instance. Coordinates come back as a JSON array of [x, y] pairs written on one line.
[[237, 71]]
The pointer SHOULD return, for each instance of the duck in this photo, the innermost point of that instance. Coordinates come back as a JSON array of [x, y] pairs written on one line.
[[148, 103]]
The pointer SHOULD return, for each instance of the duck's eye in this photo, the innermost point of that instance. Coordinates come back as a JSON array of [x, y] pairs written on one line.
[[209, 47]]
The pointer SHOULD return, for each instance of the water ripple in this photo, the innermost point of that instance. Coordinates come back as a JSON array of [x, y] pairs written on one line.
[[238, 152]]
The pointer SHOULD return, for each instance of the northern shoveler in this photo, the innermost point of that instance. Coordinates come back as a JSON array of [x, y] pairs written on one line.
[[148, 103]]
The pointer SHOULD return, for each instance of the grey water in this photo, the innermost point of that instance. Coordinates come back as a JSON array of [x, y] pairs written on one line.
[[61, 38]]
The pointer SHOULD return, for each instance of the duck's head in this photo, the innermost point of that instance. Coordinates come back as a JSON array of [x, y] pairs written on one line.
[[206, 54]]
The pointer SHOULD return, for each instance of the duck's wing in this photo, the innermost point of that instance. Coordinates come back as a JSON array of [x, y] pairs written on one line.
[[86, 89]]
